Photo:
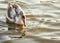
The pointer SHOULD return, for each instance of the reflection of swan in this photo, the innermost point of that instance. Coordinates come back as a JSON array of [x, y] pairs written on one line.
[[13, 13]]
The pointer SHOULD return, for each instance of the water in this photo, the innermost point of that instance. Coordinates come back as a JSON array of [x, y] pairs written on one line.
[[43, 17]]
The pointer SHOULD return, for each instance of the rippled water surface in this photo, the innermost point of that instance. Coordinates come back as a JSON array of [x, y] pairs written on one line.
[[42, 17]]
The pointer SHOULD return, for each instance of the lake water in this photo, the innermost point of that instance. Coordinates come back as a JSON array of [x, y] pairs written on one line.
[[43, 17]]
